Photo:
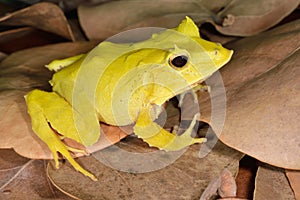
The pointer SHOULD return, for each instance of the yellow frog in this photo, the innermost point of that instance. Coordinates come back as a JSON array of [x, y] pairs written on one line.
[[122, 84]]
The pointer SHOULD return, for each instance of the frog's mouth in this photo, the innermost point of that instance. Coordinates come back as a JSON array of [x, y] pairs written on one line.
[[193, 85], [159, 101], [157, 107], [168, 94]]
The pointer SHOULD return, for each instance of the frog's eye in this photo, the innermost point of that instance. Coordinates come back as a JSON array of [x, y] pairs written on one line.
[[178, 61]]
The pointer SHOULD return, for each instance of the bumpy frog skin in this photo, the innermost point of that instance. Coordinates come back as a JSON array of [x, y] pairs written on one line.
[[122, 84]]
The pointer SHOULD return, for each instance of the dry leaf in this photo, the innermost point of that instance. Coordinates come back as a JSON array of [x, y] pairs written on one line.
[[119, 168], [211, 190], [44, 55], [44, 16], [212, 35], [25, 37], [246, 18], [105, 20], [262, 89], [294, 180], [71, 5], [2, 56], [22, 178], [21, 72], [5, 8], [76, 30], [224, 184], [228, 186], [271, 183], [232, 198], [246, 177], [239, 18]]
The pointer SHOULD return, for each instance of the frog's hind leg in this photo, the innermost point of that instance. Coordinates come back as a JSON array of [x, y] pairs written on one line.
[[47, 109], [156, 136]]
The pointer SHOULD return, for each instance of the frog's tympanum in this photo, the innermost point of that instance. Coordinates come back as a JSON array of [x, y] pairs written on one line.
[[123, 84]]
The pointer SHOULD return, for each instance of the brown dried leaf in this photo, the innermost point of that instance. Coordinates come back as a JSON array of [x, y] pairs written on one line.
[[232, 198], [22, 178], [76, 30], [2, 56], [5, 8], [102, 21], [262, 86], [213, 35], [238, 17], [294, 180], [211, 190], [246, 18], [71, 5], [44, 16], [246, 177], [224, 184], [42, 56], [25, 37], [185, 178], [271, 183], [21, 72], [228, 186]]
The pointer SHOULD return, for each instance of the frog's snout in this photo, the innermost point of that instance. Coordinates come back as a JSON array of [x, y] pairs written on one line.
[[221, 55], [217, 53]]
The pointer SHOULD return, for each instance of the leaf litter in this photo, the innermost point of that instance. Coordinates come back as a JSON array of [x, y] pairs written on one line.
[[230, 17], [45, 16], [189, 174], [19, 74], [262, 90], [22, 178], [247, 79]]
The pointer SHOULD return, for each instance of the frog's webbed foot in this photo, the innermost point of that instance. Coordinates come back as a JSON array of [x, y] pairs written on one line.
[[156, 136], [46, 109]]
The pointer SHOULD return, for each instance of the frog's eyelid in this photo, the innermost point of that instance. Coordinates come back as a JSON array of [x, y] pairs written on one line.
[[176, 51]]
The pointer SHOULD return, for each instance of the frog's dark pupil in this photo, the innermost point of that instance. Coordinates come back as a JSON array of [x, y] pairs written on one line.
[[179, 61]]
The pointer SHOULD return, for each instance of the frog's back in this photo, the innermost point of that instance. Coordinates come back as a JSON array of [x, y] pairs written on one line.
[[86, 70]]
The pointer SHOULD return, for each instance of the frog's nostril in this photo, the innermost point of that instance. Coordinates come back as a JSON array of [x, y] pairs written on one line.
[[216, 52]]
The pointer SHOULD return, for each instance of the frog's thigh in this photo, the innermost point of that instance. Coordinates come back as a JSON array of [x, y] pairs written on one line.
[[56, 110], [43, 107], [156, 136]]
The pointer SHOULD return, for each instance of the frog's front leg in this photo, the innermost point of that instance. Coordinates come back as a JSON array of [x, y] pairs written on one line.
[[51, 112], [156, 136]]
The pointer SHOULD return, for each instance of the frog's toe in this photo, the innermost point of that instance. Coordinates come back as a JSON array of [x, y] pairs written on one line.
[[77, 150], [57, 146], [55, 158], [199, 140]]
